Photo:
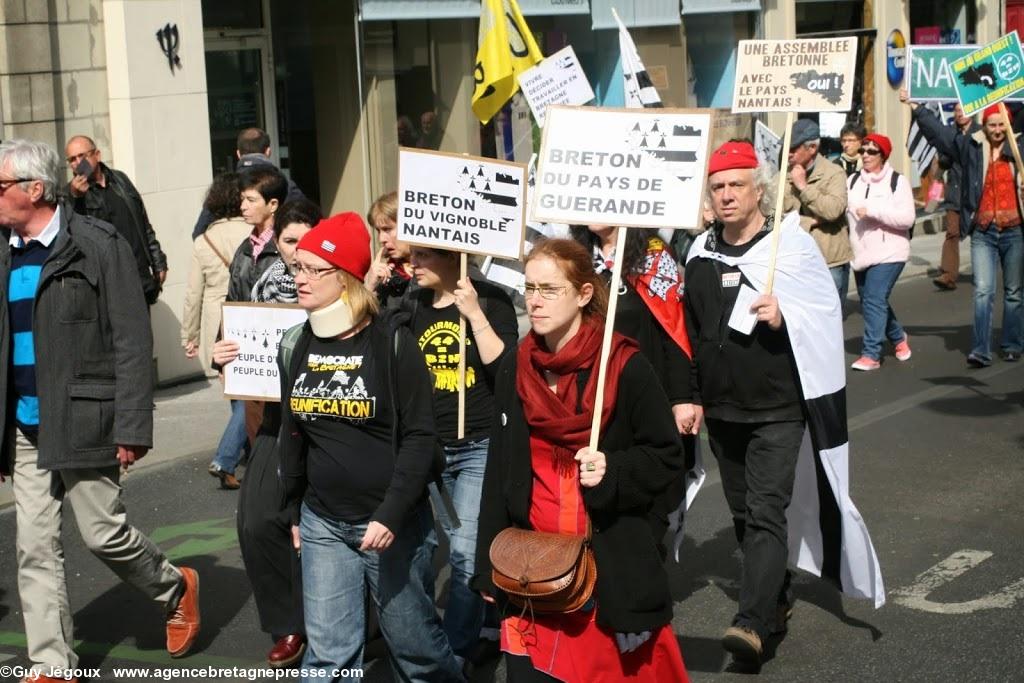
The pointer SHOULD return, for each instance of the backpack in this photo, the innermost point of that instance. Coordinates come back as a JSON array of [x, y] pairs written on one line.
[[394, 322], [894, 180]]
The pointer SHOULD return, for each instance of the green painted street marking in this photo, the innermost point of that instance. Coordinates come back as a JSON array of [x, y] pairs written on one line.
[[205, 537], [132, 654]]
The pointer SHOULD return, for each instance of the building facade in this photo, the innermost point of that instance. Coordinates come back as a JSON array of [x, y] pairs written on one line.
[[163, 86]]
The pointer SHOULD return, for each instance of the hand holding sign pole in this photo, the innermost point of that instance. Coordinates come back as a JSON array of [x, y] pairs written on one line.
[[465, 204]]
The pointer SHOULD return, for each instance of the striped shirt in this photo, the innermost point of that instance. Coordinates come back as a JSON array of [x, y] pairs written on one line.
[[27, 260]]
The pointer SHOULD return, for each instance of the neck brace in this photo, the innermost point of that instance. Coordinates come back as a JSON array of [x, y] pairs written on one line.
[[333, 320]]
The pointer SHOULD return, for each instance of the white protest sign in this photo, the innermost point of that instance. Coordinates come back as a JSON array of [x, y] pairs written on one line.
[[641, 168], [559, 79], [809, 75], [258, 329], [461, 203], [767, 144]]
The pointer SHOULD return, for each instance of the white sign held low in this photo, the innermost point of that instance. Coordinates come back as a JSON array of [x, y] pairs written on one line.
[[559, 79], [258, 329], [641, 168], [810, 74], [461, 203]]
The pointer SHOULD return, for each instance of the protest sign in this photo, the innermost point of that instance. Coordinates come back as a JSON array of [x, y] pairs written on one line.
[[808, 75], [929, 78], [767, 144], [559, 79], [643, 168], [258, 329], [461, 203], [989, 75]]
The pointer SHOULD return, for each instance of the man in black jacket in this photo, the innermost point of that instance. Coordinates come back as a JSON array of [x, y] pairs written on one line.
[[750, 394], [78, 404], [109, 195]]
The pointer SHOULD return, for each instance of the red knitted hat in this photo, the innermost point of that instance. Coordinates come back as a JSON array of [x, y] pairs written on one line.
[[884, 143], [990, 110], [732, 155], [342, 241]]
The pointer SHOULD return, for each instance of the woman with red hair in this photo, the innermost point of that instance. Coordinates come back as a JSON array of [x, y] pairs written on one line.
[[541, 475]]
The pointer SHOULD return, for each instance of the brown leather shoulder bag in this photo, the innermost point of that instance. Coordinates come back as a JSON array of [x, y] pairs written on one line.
[[542, 571]]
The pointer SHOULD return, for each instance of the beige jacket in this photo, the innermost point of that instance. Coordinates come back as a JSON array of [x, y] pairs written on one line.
[[208, 284], [822, 207]]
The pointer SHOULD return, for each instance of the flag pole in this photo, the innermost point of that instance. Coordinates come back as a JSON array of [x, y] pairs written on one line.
[[609, 328], [779, 201], [463, 271]]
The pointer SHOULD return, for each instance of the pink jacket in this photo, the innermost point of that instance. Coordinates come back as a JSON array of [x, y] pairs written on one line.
[[883, 234]]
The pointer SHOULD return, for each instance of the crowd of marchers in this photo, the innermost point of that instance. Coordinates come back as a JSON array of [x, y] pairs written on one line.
[[338, 511]]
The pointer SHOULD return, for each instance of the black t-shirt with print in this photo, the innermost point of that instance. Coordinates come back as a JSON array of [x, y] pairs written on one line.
[[340, 400], [436, 331]]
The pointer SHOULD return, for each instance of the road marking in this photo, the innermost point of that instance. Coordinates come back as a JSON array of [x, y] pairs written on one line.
[[204, 537], [915, 596]]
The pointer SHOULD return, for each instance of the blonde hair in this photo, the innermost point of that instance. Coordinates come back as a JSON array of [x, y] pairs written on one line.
[[360, 300], [386, 206]]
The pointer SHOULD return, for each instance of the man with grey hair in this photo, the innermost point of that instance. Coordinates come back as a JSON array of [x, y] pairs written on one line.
[[817, 191], [78, 404], [747, 386]]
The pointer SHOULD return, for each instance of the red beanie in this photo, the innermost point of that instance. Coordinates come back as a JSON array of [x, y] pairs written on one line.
[[342, 241], [732, 155], [990, 110], [884, 143]]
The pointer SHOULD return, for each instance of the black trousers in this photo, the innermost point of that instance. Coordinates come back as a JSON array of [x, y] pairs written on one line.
[[757, 462], [519, 669], [264, 534]]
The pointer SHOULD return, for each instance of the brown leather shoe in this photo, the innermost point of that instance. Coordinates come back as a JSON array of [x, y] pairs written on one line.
[[183, 623], [744, 644], [227, 480], [287, 651], [944, 282]]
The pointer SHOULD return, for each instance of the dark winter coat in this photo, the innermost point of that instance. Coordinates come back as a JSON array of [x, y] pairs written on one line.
[[93, 349]]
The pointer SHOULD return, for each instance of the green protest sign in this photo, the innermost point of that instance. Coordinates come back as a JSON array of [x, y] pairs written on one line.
[[989, 75]]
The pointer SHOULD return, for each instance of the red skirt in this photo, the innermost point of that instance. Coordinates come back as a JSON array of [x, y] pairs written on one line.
[[574, 649]]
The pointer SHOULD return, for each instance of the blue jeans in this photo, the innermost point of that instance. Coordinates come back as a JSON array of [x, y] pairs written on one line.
[[334, 576], [841, 276], [464, 478], [234, 439], [986, 247], [874, 284]]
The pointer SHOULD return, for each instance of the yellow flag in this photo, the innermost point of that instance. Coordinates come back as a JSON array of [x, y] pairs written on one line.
[[506, 48]]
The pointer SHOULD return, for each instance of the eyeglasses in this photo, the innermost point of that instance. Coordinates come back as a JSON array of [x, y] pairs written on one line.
[[870, 151], [549, 293], [313, 274], [75, 158], [8, 183]]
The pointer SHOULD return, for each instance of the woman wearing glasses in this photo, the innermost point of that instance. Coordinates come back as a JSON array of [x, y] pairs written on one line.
[[264, 530], [880, 211], [356, 455], [542, 475], [491, 327]]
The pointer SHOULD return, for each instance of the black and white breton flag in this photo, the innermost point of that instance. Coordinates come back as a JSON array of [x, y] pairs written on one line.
[[827, 536], [921, 152], [639, 91]]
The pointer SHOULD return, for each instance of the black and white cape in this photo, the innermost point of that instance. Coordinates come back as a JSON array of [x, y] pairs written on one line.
[[827, 536]]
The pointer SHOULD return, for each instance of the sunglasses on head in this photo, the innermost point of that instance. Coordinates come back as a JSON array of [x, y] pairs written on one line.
[[871, 151]]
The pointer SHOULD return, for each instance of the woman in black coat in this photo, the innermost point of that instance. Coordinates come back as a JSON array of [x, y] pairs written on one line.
[[542, 475]]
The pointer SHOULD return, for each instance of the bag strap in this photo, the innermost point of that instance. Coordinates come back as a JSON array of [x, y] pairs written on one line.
[[287, 347], [227, 264], [894, 180]]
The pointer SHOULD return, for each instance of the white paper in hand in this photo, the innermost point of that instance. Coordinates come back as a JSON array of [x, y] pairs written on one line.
[[742, 319]]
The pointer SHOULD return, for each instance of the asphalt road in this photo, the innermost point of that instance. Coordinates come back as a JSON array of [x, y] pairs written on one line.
[[936, 471]]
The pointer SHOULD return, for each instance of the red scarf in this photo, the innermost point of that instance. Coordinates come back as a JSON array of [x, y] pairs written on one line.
[[552, 416]]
